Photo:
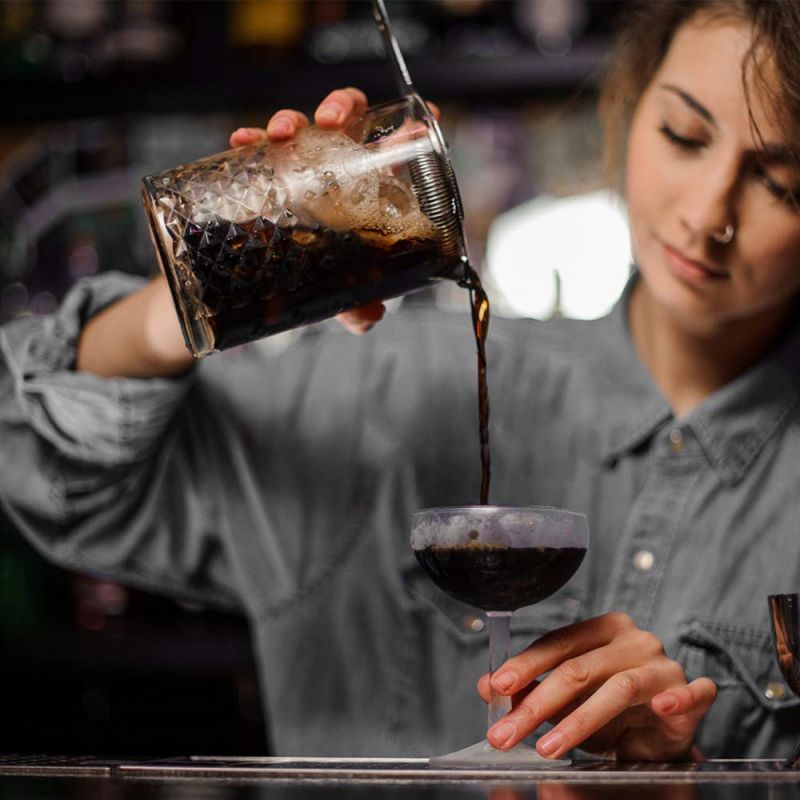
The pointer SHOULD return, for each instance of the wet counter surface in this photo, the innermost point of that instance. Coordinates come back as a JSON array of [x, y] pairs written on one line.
[[220, 778]]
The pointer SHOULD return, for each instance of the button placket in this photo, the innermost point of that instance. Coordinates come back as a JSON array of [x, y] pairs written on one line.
[[651, 527]]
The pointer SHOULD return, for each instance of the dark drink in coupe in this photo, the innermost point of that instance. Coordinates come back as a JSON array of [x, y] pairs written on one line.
[[498, 578]]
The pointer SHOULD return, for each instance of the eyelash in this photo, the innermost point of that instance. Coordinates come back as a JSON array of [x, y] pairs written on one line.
[[680, 141], [791, 198], [780, 192]]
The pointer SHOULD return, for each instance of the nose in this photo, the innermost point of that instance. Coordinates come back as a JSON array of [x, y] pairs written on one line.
[[709, 201]]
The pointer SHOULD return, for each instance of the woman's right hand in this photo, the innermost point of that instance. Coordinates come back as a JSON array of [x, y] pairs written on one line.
[[139, 336], [340, 108]]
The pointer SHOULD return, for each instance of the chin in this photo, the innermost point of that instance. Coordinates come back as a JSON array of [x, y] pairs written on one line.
[[694, 310]]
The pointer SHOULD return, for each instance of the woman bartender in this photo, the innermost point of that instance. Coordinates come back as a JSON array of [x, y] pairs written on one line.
[[283, 484]]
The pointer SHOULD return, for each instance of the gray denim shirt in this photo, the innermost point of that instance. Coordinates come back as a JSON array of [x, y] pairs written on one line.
[[281, 480]]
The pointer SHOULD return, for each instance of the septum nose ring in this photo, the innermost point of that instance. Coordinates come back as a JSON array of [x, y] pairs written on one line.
[[724, 237]]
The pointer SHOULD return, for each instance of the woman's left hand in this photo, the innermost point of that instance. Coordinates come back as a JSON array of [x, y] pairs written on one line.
[[611, 690]]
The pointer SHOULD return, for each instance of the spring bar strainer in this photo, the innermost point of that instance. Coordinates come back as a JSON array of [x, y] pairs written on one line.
[[432, 176]]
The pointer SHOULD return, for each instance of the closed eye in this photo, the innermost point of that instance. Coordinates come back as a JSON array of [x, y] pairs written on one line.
[[775, 188], [682, 142]]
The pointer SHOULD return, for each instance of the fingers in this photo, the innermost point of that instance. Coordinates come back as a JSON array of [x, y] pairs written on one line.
[[602, 674], [620, 692], [244, 136], [556, 647], [282, 125], [340, 107], [484, 690], [285, 123], [360, 320], [607, 681], [687, 703]]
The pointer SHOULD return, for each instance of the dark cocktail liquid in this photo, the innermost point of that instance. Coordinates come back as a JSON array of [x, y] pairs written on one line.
[[499, 578], [480, 325], [255, 278]]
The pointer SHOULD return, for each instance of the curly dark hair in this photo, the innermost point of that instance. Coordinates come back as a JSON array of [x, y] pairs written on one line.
[[645, 31]]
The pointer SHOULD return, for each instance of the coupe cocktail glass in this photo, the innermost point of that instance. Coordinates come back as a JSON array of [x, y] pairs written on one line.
[[498, 559]]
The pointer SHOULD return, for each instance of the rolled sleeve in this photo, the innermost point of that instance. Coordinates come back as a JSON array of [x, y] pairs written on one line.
[[101, 474], [85, 417]]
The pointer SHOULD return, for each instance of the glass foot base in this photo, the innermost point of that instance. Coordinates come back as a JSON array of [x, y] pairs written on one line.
[[483, 756]]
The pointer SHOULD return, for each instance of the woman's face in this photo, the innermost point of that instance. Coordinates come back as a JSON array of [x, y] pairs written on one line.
[[695, 166]]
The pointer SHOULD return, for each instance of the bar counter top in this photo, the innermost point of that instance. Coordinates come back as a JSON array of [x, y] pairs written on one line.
[[223, 778]]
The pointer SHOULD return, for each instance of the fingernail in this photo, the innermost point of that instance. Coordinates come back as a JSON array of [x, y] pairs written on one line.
[[550, 743], [667, 703], [280, 126], [501, 733], [504, 680], [330, 113]]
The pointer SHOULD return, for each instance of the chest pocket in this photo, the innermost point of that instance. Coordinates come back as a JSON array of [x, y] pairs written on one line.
[[755, 713], [467, 625]]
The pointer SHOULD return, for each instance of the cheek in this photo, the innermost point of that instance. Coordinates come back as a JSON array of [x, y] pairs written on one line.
[[646, 187], [773, 258], [642, 209]]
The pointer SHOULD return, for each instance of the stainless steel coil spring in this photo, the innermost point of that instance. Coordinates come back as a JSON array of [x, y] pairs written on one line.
[[436, 199]]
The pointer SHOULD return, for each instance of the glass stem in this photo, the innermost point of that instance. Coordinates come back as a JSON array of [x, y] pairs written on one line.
[[499, 644]]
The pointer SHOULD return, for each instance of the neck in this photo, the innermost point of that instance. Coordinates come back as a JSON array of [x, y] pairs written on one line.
[[688, 364]]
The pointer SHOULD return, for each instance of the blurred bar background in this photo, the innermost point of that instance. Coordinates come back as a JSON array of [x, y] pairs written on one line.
[[98, 93]]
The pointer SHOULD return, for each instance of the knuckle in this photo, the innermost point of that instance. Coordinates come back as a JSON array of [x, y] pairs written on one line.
[[675, 671], [620, 621], [357, 93], [669, 670], [574, 672], [343, 96], [529, 713], [702, 691], [627, 685], [649, 643]]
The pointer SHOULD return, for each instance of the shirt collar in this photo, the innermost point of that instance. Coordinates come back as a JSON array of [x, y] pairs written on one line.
[[734, 423], [632, 405], [731, 425]]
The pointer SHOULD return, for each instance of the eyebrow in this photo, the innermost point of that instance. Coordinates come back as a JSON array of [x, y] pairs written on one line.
[[691, 102], [768, 150]]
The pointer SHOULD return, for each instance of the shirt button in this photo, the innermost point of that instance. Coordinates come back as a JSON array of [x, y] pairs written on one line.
[[643, 561], [676, 440], [475, 624], [775, 691]]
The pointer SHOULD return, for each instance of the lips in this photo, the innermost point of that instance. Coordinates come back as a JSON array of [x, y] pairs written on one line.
[[692, 269]]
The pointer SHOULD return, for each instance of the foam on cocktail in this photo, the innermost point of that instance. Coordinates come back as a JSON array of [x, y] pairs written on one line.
[[512, 527]]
